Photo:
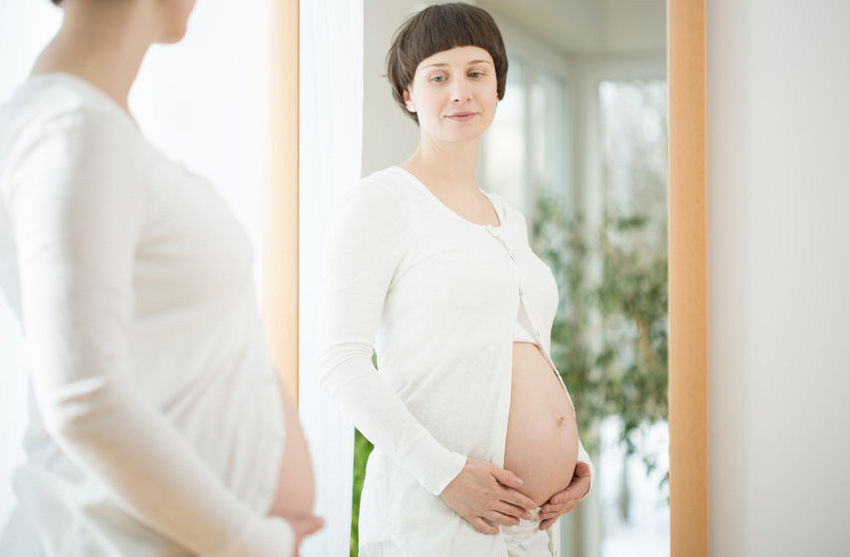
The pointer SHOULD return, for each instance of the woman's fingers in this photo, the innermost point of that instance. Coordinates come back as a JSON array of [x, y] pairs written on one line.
[[578, 488], [481, 525], [544, 524], [557, 510], [500, 518], [516, 498], [511, 510], [582, 469], [486, 495], [552, 514], [506, 477], [511, 482], [573, 492], [563, 502]]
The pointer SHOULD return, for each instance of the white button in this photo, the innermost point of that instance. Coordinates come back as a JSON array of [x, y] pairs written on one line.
[[537, 334]]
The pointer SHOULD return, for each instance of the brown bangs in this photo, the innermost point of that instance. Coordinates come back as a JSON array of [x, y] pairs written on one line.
[[438, 28]]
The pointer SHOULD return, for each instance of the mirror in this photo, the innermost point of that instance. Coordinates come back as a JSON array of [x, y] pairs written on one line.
[[582, 132]]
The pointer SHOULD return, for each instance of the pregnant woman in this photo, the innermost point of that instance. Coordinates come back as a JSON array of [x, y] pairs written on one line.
[[476, 447], [157, 425]]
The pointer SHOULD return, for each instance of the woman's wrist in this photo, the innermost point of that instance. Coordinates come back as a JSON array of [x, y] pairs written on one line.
[[435, 468]]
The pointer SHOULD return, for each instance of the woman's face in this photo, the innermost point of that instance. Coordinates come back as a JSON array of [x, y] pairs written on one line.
[[454, 94]]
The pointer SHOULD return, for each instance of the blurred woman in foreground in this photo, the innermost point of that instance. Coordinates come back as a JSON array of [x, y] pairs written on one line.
[[157, 424]]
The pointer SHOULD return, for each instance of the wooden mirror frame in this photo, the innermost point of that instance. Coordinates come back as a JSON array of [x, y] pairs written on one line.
[[688, 278], [280, 195], [689, 528]]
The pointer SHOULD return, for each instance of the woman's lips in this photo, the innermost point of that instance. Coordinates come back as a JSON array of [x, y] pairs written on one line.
[[461, 116]]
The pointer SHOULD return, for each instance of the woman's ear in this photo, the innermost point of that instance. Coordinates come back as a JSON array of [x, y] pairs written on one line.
[[408, 103]]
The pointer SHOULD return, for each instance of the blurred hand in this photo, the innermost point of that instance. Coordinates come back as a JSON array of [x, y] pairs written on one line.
[[303, 526], [565, 501], [484, 495]]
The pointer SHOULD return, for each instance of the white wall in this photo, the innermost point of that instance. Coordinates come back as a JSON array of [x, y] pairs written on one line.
[[202, 101], [779, 277], [389, 137]]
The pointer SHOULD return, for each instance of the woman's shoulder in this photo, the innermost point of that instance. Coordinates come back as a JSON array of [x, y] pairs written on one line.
[[376, 205], [58, 123], [392, 179], [383, 189], [59, 103]]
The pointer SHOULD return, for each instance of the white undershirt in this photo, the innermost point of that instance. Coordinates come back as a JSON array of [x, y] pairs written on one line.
[[156, 424]]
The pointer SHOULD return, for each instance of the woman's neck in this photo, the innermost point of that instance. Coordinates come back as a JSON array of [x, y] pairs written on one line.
[[444, 166], [105, 47]]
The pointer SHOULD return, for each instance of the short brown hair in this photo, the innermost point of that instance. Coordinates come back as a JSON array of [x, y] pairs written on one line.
[[435, 29]]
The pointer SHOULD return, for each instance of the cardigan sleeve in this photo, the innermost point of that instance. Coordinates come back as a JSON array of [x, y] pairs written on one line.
[[366, 242], [75, 193]]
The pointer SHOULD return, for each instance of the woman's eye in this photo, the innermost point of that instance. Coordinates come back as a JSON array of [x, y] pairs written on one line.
[[438, 78], [476, 74]]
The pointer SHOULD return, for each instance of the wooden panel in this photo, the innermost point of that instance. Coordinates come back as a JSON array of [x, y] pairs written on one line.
[[280, 196], [689, 527]]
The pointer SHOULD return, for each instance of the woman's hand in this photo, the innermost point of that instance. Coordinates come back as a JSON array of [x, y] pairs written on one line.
[[565, 501], [303, 526], [484, 494]]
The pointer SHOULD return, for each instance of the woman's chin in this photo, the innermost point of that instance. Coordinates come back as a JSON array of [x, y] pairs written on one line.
[[463, 136]]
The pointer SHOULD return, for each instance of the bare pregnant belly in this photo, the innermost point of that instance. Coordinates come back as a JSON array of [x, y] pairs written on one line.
[[295, 485], [542, 441]]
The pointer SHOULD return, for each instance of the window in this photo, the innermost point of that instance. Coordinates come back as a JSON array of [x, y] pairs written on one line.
[[608, 253], [504, 149]]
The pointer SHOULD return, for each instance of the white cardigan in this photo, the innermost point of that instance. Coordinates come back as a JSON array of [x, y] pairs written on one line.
[[438, 297], [156, 426]]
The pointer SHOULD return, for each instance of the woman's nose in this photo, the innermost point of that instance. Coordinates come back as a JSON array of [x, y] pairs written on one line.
[[460, 92]]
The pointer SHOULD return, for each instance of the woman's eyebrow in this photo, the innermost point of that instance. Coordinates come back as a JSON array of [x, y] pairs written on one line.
[[470, 63]]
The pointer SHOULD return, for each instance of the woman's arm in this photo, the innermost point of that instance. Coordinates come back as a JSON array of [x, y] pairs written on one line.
[[366, 242], [76, 195]]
